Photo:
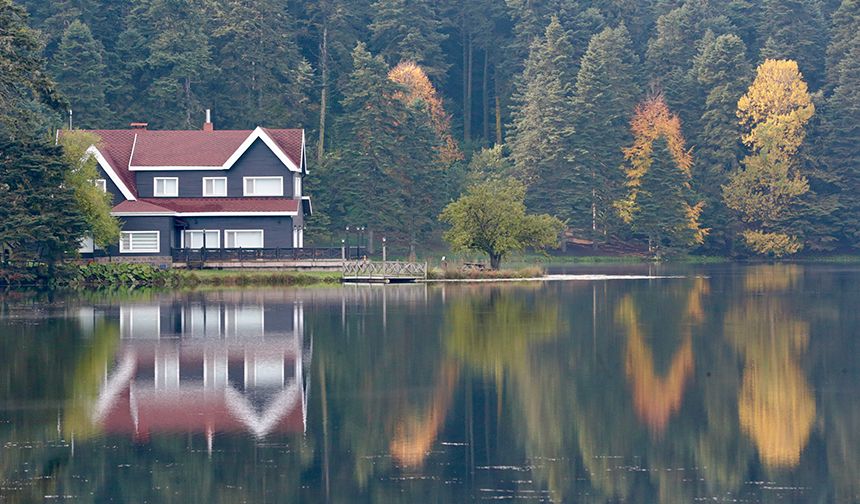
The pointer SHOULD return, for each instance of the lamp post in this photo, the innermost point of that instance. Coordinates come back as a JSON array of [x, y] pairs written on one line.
[[347, 242], [342, 249], [384, 256]]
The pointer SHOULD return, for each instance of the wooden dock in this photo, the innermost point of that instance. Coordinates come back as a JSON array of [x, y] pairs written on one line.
[[383, 272]]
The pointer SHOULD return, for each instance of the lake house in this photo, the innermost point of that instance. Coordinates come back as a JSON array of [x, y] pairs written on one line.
[[207, 188]]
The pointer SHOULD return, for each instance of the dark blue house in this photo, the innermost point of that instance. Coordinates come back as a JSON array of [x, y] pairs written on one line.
[[235, 189]]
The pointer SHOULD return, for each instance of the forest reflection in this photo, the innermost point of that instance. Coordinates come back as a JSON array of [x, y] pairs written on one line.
[[667, 390]]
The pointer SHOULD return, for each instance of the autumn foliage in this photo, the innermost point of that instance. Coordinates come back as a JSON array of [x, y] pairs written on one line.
[[418, 88], [652, 121]]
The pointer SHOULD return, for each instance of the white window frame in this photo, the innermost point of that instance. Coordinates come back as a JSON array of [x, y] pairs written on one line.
[[205, 179], [123, 250], [297, 186], [182, 236], [101, 184], [245, 181], [262, 237], [155, 181]]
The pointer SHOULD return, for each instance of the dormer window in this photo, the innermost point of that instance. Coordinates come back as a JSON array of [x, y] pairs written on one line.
[[264, 186], [101, 184], [164, 187], [214, 186]]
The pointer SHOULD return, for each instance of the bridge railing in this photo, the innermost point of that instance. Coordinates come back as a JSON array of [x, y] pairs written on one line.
[[187, 255], [384, 270]]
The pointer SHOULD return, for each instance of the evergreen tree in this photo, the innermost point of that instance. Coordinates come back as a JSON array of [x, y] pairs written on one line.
[[39, 217], [541, 132], [409, 30], [795, 29], [658, 180], [723, 72], [387, 176], [605, 95], [266, 79], [168, 49], [840, 131], [79, 70], [25, 88]]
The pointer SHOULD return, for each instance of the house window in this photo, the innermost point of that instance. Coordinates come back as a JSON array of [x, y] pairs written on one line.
[[201, 239], [264, 186], [244, 238], [139, 241], [101, 184], [165, 187], [214, 186], [87, 245], [297, 186]]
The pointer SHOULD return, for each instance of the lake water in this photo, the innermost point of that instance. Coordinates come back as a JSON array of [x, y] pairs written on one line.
[[722, 383]]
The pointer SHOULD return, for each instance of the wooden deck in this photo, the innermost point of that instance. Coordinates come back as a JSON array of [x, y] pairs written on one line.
[[383, 272]]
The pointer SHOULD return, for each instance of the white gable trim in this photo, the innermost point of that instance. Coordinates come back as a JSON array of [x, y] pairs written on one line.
[[258, 133], [204, 214], [111, 173]]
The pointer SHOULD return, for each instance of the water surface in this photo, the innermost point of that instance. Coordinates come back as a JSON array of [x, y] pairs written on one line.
[[721, 383]]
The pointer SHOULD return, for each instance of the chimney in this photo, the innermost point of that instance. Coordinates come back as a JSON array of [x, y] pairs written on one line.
[[208, 126], [139, 125]]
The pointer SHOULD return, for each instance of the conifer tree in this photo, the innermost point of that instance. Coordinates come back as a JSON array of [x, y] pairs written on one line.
[[168, 49], [266, 79], [840, 132], [794, 29], [766, 192], [658, 173], [39, 217], [409, 30], [542, 129], [79, 69], [722, 71], [605, 95]]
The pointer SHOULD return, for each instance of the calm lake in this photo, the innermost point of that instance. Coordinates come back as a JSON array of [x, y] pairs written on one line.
[[718, 383]]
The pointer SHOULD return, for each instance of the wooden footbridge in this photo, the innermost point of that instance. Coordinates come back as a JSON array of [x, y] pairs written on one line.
[[383, 272]]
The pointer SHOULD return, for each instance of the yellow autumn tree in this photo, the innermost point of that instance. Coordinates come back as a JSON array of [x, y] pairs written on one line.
[[658, 172], [418, 88], [766, 191]]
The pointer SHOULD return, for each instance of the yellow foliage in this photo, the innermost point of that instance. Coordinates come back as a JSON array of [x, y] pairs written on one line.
[[417, 87], [775, 244], [775, 109]]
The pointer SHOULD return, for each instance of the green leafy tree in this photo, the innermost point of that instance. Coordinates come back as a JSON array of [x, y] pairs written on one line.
[[491, 218], [542, 130], [79, 70], [766, 192], [93, 203], [40, 222], [723, 72], [605, 95], [409, 30]]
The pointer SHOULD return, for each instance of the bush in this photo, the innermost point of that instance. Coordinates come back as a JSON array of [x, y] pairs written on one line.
[[123, 275]]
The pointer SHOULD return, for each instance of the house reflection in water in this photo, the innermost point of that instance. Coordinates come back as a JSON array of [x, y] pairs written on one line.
[[207, 365]]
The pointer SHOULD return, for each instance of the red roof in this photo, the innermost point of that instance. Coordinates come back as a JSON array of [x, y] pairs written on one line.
[[138, 147], [207, 205]]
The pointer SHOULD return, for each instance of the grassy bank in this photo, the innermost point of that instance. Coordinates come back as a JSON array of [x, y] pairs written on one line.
[[144, 275], [502, 274]]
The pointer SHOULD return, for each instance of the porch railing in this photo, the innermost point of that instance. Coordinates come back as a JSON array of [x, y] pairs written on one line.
[[187, 255]]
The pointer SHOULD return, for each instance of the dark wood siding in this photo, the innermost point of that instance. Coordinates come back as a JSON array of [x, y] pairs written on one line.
[[257, 161], [162, 224], [116, 194], [277, 231]]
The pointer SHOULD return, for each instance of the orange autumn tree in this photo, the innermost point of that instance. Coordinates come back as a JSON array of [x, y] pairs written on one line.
[[658, 172], [418, 88]]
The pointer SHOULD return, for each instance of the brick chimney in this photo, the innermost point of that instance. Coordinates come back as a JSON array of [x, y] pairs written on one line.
[[138, 125], [208, 126]]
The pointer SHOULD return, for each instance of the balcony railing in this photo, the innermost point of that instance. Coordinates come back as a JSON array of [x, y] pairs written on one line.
[[192, 255]]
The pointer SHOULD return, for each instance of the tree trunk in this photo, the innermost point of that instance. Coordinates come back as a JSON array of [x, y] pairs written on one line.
[[468, 119], [323, 94], [465, 78], [498, 111], [485, 97], [495, 260]]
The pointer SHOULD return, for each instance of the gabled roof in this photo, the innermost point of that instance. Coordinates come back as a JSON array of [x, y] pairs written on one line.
[[191, 207], [121, 152]]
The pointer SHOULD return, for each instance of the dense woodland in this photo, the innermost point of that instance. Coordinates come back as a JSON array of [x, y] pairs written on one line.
[[722, 127]]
